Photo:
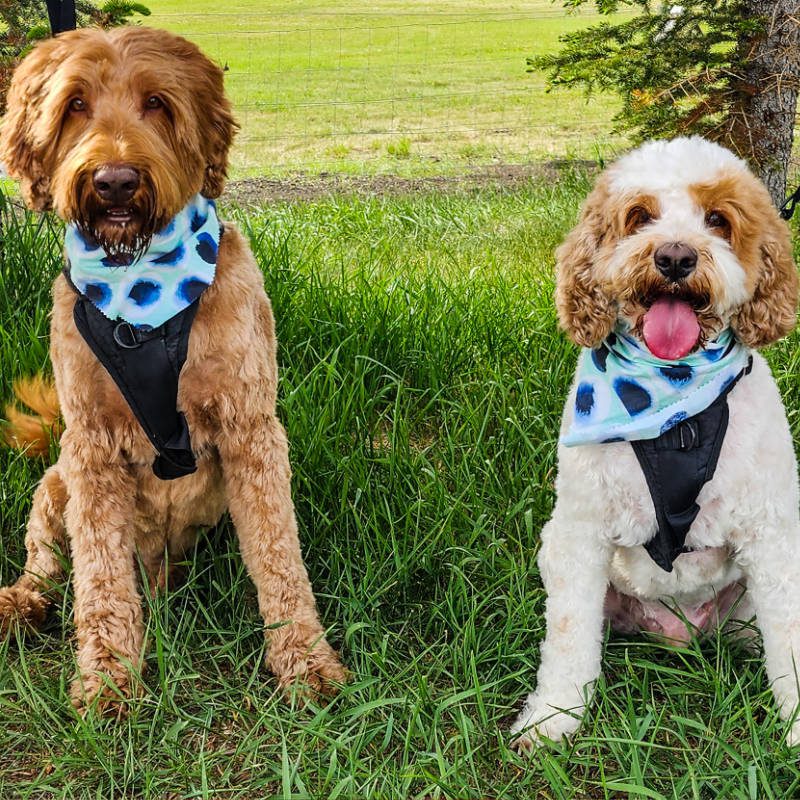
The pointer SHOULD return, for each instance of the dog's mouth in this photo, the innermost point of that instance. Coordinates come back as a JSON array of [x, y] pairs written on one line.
[[120, 215], [123, 230], [670, 326]]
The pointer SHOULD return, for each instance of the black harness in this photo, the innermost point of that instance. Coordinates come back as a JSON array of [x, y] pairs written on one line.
[[676, 466], [146, 365]]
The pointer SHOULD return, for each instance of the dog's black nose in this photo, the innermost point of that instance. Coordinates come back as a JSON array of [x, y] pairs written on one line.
[[116, 183], [675, 260]]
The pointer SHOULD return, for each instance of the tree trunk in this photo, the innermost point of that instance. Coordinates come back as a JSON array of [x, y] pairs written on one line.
[[763, 116]]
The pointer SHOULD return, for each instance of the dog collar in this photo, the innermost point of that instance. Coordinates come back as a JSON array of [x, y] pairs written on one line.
[[178, 266], [625, 393]]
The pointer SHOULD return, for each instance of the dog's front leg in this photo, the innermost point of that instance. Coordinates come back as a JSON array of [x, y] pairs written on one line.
[[26, 601], [255, 461], [771, 561], [574, 564], [108, 611]]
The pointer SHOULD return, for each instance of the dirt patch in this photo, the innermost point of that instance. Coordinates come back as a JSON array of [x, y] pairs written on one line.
[[303, 187]]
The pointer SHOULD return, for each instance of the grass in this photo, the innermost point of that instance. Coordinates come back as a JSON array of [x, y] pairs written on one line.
[[323, 85], [422, 381]]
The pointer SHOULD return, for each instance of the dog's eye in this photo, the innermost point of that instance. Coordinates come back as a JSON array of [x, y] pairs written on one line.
[[77, 105], [636, 217], [717, 220], [153, 102]]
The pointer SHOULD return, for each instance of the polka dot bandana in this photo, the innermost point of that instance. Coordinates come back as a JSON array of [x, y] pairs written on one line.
[[177, 268], [624, 393]]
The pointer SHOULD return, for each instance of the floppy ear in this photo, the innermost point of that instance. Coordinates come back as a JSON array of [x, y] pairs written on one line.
[[220, 133], [217, 125], [21, 150], [585, 311], [771, 313]]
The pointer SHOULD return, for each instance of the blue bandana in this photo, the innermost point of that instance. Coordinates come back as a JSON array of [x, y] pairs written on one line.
[[175, 270], [625, 393]]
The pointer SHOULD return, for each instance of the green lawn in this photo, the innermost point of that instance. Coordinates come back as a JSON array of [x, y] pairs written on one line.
[[392, 86], [422, 381]]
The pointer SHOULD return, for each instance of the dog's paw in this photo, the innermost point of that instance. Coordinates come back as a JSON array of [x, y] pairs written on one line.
[[539, 723], [104, 693], [21, 607], [314, 673]]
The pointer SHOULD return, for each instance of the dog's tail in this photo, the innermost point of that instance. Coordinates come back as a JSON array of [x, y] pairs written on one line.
[[33, 433]]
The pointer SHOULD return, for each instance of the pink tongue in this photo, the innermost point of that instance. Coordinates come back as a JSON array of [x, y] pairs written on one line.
[[670, 328]]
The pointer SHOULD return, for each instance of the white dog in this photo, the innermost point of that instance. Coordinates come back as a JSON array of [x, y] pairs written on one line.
[[678, 266]]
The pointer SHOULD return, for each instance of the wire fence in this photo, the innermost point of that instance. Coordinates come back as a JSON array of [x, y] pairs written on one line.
[[403, 91]]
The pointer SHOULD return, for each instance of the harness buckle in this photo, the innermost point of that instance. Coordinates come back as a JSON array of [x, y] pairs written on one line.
[[125, 336]]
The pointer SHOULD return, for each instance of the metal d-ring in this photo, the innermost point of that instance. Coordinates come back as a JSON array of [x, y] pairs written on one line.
[[125, 336], [689, 429]]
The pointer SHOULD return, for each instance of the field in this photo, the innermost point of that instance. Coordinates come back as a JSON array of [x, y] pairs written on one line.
[[422, 380], [400, 86]]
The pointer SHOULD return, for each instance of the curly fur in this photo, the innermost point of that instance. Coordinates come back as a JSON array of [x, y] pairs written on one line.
[[101, 499], [585, 310], [33, 433], [746, 538]]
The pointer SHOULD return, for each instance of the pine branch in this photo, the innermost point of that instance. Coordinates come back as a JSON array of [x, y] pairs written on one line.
[[673, 70]]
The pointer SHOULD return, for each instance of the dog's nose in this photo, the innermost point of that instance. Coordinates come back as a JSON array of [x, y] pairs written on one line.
[[675, 260], [116, 183]]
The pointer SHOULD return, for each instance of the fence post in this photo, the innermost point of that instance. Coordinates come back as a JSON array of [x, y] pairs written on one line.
[[62, 15]]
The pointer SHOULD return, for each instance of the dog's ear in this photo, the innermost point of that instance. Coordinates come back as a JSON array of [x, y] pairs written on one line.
[[220, 133], [216, 122], [771, 312], [22, 149], [585, 311]]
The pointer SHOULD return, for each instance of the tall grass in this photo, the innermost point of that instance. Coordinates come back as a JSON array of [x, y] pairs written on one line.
[[422, 380]]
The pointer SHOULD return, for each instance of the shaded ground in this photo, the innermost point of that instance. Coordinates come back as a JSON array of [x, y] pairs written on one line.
[[305, 187]]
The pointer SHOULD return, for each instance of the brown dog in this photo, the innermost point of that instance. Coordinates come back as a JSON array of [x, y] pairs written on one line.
[[149, 106]]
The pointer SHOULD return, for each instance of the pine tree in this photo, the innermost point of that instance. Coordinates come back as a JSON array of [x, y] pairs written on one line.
[[726, 69], [25, 22]]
